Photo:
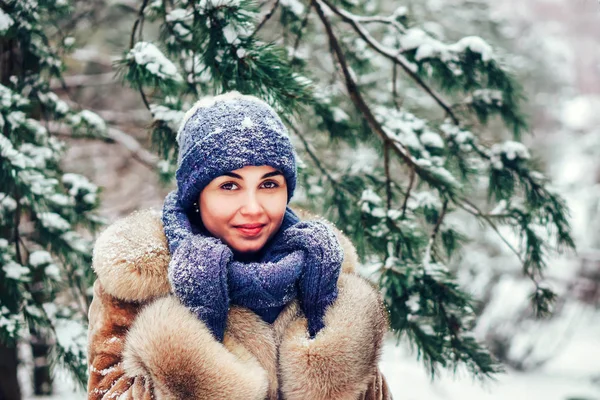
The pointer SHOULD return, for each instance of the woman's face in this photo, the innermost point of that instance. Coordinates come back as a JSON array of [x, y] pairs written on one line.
[[244, 208]]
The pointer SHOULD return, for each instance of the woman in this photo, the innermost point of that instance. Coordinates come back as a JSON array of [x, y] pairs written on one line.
[[229, 295]]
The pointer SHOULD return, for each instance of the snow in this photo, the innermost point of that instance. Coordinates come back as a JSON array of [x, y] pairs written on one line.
[[369, 196], [408, 379], [15, 271], [5, 22], [16, 158], [231, 35], [51, 99], [16, 118], [401, 11], [62, 200], [39, 257], [488, 96], [39, 155], [52, 271], [148, 55], [54, 222], [339, 115], [93, 120], [218, 3], [429, 47], [163, 113], [179, 14], [424, 199], [476, 45], [296, 7], [432, 139], [302, 80], [76, 242], [247, 123], [7, 203], [71, 335], [511, 150], [38, 182], [580, 112], [9, 321], [79, 183]]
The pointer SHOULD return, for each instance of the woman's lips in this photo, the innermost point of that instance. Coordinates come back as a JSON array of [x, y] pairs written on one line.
[[250, 230]]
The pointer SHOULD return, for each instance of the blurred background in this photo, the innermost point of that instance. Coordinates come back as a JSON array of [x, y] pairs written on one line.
[[553, 48]]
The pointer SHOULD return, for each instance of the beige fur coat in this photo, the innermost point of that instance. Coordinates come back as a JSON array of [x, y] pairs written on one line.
[[143, 344]]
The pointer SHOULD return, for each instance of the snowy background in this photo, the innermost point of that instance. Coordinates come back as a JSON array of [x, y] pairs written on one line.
[[557, 359]]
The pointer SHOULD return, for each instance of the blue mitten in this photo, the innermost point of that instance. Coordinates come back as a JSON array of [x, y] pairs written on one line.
[[322, 264], [198, 275]]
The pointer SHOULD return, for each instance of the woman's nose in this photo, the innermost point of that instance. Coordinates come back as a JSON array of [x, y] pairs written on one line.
[[251, 204]]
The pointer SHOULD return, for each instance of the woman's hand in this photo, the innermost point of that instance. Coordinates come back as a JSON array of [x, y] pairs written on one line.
[[322, 265], [198, 275]]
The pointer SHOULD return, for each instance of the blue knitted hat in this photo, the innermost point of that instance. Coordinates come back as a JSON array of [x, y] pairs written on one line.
[[228, 132]]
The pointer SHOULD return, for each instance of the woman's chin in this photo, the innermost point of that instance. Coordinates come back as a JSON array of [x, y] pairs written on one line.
[[247, 248]]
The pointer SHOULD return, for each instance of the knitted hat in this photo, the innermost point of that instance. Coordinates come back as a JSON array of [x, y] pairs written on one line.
[[227, 132]]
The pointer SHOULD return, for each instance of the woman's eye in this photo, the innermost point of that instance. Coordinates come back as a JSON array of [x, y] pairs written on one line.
[[229, 186], [270, 185]]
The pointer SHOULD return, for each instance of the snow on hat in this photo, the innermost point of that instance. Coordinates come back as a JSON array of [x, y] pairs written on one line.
[[227, 132]]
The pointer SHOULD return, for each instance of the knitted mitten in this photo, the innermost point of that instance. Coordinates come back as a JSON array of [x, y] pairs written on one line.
[[322, 264], [198, 275]]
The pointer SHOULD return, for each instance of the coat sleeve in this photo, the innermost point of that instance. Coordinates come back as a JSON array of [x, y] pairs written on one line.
[[161, 351], [341, 361]]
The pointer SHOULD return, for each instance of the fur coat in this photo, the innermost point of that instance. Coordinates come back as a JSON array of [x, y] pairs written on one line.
[[143, 344]]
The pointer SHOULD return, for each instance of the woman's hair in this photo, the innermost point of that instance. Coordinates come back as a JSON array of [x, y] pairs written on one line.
[[227, 132]]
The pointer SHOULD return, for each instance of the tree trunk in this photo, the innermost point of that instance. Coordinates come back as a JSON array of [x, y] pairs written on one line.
[[9, 383], [42, 381]]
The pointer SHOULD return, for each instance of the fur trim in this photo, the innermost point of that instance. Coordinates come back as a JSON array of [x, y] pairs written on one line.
[[341, 361], [169, 344], [131, 257], [257, 337]]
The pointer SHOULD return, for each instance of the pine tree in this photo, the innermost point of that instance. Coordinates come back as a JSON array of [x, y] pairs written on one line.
[[354, 82], [45, 256]]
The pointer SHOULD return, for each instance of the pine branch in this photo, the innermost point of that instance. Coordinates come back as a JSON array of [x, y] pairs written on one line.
[[266, 18], [397, 103], [390, 20], [137, 22], [310, 152], [396, 58], [434, 232], [301, 31], [408, 190], [17, 222], [358, 100], [487, 218], [388, 179]]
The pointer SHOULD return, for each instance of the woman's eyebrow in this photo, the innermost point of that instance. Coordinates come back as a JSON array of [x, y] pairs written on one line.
[[270, 174], [233, 175], [267, 175]]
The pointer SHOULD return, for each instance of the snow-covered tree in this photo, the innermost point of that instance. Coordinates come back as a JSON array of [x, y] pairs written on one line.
[[487, 269], [392, 121], [45, 256]]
